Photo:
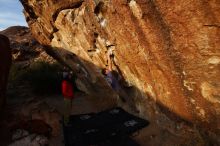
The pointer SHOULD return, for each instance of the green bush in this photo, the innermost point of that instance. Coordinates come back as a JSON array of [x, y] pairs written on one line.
[[16, 74], [43, 78]]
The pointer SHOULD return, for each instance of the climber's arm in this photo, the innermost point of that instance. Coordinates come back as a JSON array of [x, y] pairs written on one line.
[[109, 62]]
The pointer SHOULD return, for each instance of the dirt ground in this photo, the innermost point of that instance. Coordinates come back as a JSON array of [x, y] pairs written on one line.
[[50, 110]]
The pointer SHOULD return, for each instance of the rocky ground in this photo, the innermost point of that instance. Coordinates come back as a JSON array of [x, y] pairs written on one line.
[[50, 108]]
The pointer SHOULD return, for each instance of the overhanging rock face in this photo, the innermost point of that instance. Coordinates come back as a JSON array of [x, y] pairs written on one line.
[[169, 50]]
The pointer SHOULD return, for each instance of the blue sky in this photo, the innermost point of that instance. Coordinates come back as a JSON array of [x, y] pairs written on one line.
[[11, 14]]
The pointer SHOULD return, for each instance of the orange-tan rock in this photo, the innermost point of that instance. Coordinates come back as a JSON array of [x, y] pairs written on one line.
[[167, 50]]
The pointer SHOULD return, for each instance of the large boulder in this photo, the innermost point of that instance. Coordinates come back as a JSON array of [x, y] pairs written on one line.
[[168, 51], [25, 49], [5, 63]]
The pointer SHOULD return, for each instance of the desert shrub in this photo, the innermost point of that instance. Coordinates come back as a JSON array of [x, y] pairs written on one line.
[[16, 74], [44, 78]]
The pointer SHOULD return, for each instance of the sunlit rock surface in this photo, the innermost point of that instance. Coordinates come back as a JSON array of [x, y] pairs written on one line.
[[168, 51]]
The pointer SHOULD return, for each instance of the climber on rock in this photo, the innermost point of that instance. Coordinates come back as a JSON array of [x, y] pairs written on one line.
[[107, 72], [112, 76]]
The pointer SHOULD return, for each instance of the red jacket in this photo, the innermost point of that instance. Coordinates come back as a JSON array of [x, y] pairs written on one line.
[[67, 89]]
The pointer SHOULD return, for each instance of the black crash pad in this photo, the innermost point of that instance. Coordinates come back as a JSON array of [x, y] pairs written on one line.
[[95, 128]]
